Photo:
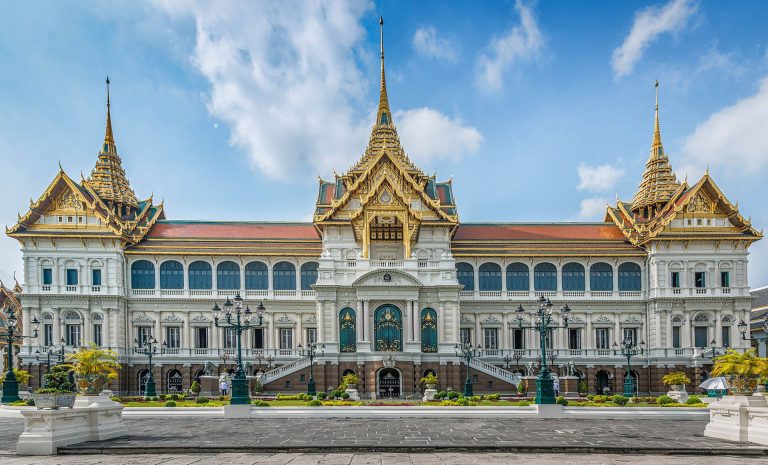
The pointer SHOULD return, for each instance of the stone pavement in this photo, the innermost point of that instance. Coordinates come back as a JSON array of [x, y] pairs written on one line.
[[381, 459]]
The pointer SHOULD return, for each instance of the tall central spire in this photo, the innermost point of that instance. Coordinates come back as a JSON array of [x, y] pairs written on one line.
[[109, 138], [657, 150], [383, 116]]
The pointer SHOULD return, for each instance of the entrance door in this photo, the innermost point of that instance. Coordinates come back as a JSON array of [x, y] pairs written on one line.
[[143, 375], [174, 382], [389, 383], [388, 327], [602, 382]]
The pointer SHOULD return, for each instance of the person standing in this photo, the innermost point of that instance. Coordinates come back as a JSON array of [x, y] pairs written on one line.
[[223, 384], [556, 385]]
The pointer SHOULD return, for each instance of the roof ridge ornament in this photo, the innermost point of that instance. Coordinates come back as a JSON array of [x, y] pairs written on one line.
[[384, 115]]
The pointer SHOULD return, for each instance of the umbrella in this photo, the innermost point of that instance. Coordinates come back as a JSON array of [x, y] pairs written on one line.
[[719, 383]]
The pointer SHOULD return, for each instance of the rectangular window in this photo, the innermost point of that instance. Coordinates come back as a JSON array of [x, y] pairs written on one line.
[[700, 336], [466, 336], [97, 335], [675, 279], [47, 276], [726, 336], [303, 378], [230, 338], [574, 338], [71, 277], [601, 338], [286, 338], [173, 337], [518, 339], [311, 336], [699, 279], [73, 335], [676, 337], [143, 334], [491, 338], [631, 334], [258, 338], [725, 279], [48, 335], [96, 278], [201, 337]]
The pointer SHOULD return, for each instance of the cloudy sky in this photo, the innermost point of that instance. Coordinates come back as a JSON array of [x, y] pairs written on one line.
[[541, 111]]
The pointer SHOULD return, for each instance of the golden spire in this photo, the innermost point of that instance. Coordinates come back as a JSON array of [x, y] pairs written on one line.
[[108, 177], [383, 116], [659, 181]]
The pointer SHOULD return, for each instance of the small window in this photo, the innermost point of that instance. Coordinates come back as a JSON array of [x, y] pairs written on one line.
[[700, 279], [71, 277], [97, 335], [466, 336], [709, 222], [303, 378], [725, 279], [698, 222], [288, 384], [96, 278], [80, 219], [69, 219], [676, 279], [474, 379], [689, 222], [47, 276], [61, 219]]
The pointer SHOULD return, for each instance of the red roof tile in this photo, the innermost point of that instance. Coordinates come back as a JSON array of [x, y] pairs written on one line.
[[563, 231], [232, 230]]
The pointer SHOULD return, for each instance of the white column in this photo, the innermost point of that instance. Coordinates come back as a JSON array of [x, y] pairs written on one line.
[[215, 337], [334, 320], [658, 342], [57, 332], [87, 338], [505, 331], [320, 321], [26, 327], [441, 323], [300, 331], [108, 341], [156, 330], [456, 320], [718, 330], [360, 322], [478, 340], [687, 332], [589, 337], [617, 336], [367, 326], [668, 317], [409, 320], [416, 321], [186, 335]]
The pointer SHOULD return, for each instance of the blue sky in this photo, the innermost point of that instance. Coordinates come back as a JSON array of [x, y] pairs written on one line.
[[541, 111]]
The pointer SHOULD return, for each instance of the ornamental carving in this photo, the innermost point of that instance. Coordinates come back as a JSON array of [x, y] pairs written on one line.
[[465, 320], [143, 319], [312, 319], [285, 319], [701, 203], [172, 319], [491, 320], [632, 320], [65, 201], [200, 319], [602, 319]]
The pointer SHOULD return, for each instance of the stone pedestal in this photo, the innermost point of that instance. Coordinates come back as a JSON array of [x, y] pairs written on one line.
[[729, 418], [549, 410], [429, 394], [569, 386], [530, 385], [237, 411], [46, 430], [209, 386], [680, 396], [353, 394]]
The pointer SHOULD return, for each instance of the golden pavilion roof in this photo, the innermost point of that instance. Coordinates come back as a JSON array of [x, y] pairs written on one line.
[[659, 181], [108, 176]]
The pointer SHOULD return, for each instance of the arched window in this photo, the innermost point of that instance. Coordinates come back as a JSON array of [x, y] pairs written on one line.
[[142, 275], [174, 382], [545, 277], [347, 330], [200, 275], [256, 276], [573, 277], [308, 275], [228, 276], [601, 277], [466, 276], [284, 277], [428, 330], [388, 328], [630, 277], [517, 277], [141, 380], [171, 275], [490, 277]]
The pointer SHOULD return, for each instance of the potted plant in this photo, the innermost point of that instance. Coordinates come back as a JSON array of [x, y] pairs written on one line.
[[676, 380], [58, 391], [195, 388], [430, 381], [741, 370], [349, 381], [582, 387], [93, 369]]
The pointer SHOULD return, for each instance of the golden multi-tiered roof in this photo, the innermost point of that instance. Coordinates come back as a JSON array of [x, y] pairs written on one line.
[[108, 176], [659, 181], [384, 193]]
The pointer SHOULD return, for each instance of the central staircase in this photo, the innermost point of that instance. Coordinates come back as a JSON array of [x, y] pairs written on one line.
[[283, 370], [496, 372]]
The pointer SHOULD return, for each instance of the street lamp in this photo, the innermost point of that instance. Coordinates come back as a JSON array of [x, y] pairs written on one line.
[[516, 356], [240, 320], [467, 352], [11, 384], [744, 327], [542, 318], [311, 352], [629, 349], [149, 348]]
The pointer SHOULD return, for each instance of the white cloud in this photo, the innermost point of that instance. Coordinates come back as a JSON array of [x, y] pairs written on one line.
[[291, 87], [599, 178], [734, 137], [521, 43], [725, 63], [592, 209], [427, 42], [428, 134], [649, 24]]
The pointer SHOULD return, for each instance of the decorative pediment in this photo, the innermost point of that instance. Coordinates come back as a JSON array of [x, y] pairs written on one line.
[[632, 320], [172, 319], [200, 319], [576, 320], [311, 319], [284, 320], [491, 321], [386, 278], [465, 320], [603, 320], [143, 319]]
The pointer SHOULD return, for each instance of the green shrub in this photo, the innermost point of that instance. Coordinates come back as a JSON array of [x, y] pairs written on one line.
[[493, 397], [441, 395], [582, 386], [665, 399], [170, 403], [174, 397], [620, 400], [562, 401], [221, 398], [599, 399], [257, 387], [344, 395], [590, 397], [693, 400], [315, 403], [464, 402], [202, 400], [195, 387], [521, 387], [162, 396], [453, 395], [644, 400], [30, 402], [475, 398], [321, 395], [259, 403]]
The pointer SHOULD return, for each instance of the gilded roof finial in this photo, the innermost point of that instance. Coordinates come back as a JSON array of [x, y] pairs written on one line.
[[383, 116], [108, 137], [657, 150]]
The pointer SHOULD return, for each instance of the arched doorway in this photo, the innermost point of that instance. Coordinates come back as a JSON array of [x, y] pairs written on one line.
[[389, 383], [142, 381], [602, 381], [174, 383], [388, 327]]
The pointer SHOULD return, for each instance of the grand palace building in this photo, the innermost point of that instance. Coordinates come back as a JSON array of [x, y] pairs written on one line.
[[386, 279]]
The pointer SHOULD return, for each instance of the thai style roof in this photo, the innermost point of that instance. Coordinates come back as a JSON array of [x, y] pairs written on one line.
[[9, 299]]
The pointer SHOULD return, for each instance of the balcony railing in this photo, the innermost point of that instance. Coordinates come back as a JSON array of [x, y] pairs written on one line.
[[304, 294], [531, 295]]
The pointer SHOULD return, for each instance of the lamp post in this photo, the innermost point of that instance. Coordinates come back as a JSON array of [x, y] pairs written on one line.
[[467, 352], [57, 354], [311, 352], [149, 348], [545, 390], [744, 327], [11, 384], [516, 356], [629, 349], [240, 320]]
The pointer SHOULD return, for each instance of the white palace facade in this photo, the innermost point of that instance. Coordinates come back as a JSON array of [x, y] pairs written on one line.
[[386, 278]]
